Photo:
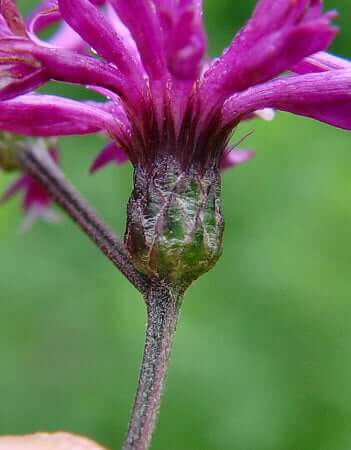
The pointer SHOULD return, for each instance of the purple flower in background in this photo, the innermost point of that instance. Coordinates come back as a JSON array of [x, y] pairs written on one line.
[[162, 96], [36, 201]]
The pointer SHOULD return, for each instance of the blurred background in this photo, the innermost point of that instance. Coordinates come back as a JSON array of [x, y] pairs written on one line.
[[262, 358]]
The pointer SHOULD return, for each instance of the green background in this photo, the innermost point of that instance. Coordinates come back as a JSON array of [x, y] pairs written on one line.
[[262, 359]]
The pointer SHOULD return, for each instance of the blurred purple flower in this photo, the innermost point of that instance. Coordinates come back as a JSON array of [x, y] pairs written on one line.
[[36, 201], [163, 97]]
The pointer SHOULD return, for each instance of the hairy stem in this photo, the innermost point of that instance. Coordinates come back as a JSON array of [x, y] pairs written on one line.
[[162, 311], [40, 166]]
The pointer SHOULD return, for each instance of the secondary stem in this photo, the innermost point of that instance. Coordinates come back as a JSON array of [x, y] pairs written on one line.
[[162, 311], [40, 166]]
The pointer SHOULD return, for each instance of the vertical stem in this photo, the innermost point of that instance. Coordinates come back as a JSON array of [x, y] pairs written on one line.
[[163, 306]]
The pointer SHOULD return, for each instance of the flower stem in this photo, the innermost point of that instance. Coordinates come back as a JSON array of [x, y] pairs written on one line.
[[38, 164], [163, 306]]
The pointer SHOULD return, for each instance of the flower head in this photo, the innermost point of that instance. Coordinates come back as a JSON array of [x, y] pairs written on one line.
[[163, 96], [36, 201], [168, 109]]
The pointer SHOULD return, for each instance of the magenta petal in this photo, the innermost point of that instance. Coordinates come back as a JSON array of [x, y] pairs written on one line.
[[44, 15], [19, 72], [322, 96], [321, 62], [28, 83], [66, 37], [4, 29], [47, 14], [115, 107], [63, 65], [72, 67], [234, 157], [87, 20], [110, 154], [184, 37], [141, 19], [123, 34], [13, 18], [277, 37], [46, 115]]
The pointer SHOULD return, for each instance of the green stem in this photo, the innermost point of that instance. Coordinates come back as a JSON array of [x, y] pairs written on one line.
[[163, 306]]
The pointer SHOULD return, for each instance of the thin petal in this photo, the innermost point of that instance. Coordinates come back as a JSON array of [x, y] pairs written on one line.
[[65, 65], [88, 21], [66, 37], [123, 33], [141, 19], [13, 18], [46, 115], [321, 62], [234, 157], [322, 96], [44, 15], [4, 29], [115, 107], [110, 154], [184, 37], [13, 87], [278, 36]]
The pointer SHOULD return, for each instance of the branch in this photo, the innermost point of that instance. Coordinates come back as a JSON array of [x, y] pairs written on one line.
[[38, 164]]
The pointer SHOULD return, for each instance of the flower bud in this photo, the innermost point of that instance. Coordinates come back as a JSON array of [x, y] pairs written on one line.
[[175, 224]]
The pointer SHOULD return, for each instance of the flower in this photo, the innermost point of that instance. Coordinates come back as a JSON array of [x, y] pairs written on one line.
[[167, 108], [164, 97], [36, 201]]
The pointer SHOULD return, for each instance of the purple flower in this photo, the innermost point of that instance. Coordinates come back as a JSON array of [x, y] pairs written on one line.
[[36, 201], [162, 95]]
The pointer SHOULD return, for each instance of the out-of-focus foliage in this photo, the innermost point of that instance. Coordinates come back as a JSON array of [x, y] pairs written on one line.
[[262, 359]]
